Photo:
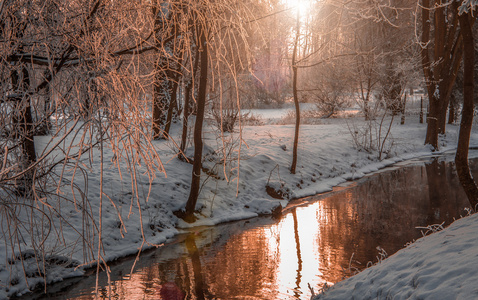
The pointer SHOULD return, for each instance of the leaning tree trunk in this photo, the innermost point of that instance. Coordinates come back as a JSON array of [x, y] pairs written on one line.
[[461, 158], [198, 144], [296, 98]]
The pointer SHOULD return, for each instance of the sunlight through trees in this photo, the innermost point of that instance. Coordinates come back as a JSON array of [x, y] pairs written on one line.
[[93, 92]]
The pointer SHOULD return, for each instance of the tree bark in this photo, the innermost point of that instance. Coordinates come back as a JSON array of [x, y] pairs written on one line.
[[23, 128], [25, 120], [432, 131], [441, 59], [172, 108], [296, 98], [452, 110], [198, 143], [404, 103], [159, 103], [187, 101], [173, 104], [461, 158]]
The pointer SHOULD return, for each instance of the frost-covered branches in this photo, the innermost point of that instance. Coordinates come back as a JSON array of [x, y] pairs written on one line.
[[468, 6], [66, 94], [78, 78]]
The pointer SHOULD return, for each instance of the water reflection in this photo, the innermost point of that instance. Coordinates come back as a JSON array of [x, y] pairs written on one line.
[[200, 289], [320, 242]]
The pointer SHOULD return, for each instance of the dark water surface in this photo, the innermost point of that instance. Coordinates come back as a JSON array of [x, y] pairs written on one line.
[[312, 243]]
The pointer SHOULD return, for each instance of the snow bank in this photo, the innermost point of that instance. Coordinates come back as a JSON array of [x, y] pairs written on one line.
[[439, 266]]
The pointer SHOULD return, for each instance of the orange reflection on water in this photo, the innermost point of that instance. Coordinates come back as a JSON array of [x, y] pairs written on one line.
[[298, 263], [312, 244]]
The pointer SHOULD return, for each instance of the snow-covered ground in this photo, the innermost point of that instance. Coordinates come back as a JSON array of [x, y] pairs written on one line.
[[236, 189], [439, 266]]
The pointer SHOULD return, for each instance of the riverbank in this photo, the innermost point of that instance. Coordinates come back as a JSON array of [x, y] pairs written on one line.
[[232, 189], [439, 266]]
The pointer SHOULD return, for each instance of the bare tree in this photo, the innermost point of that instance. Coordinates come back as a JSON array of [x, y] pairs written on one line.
[[441, 56], [218, 38], [189, 95], [294, 92], [330, 87], [466, 21], [201, 104]]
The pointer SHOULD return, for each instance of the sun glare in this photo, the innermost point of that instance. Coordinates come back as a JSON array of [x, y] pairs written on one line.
[[304, 6]]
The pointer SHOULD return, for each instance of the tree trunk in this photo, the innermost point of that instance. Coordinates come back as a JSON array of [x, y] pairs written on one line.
[[27, 137], [452, 110], [431, 137], [184, 134], [23, 129], [421, 110], [173, 104], [461, 158], [198, 144], [164, 102], [296, 98], [432, 132], [441, 59], [46, 126], [404, 103], [173, 107], [25, 120], [165, 68], [446, 86], [159, 103], [187, 101]]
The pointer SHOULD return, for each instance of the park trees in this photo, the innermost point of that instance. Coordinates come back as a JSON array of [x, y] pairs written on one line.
[[466, 21], [269, 83], [386, 57], [363, 52], [447, 39], [220, 34], [441, 53]]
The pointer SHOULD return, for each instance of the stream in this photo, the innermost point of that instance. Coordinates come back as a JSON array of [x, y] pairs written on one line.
[[317, 240]]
